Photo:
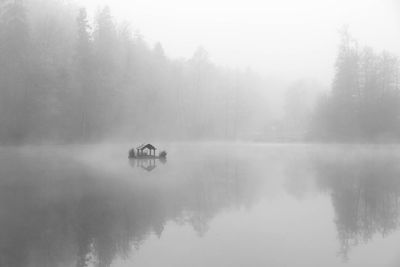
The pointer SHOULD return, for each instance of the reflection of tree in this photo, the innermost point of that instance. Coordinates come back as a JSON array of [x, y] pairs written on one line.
[[365, 193], [65, 215]]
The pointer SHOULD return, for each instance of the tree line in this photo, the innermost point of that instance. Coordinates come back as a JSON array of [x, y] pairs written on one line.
[[364, 103], [67, 78]]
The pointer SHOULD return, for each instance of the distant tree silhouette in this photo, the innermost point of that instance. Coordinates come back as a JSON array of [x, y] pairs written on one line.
[[65, 78], [363, 104], [84, 67], [14, 71]]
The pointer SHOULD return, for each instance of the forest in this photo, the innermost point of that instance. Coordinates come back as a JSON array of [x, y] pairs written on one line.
[[66, 77], [364, 102]]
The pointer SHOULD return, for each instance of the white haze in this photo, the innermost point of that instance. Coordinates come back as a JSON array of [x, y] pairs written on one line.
[[278, 39], [199, 70]]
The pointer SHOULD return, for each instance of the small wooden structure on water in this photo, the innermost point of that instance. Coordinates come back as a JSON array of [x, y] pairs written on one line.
[[146, 151]]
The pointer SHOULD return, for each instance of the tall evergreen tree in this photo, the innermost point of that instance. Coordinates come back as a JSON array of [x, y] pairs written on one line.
[[345, 93], [364, 101], [14, 46], [84, 66], [106, 70]]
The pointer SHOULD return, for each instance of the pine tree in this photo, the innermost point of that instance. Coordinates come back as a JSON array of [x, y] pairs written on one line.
[[14, 45], [84, 67]]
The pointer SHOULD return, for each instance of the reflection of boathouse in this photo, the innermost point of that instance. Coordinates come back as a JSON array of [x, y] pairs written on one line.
[[146, 164]]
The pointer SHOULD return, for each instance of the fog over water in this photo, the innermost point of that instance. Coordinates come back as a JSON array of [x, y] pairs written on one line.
[[214, 205], [199, 133]]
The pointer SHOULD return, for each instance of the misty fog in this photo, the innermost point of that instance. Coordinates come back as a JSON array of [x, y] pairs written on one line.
[[67, 77], [188, 133]]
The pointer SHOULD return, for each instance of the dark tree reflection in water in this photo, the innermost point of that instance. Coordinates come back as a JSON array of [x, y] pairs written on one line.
[[365, 193], [56, 211], [67, 207]]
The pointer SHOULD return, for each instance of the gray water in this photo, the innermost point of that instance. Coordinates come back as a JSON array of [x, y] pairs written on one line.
[[207, 205]]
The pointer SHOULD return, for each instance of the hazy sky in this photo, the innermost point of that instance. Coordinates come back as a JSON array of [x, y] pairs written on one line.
[[279, 38]]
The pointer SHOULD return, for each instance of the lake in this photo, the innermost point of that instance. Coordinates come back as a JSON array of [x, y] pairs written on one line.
[[209, 204]]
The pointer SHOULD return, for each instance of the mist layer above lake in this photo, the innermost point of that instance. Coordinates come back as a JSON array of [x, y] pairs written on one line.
[[208, 205]]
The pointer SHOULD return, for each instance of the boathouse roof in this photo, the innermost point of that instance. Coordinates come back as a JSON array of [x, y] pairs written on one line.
[[144, 146]]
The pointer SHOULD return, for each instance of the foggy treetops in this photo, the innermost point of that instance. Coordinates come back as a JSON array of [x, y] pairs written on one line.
[[67, 78], [64, 78], [364, 103]]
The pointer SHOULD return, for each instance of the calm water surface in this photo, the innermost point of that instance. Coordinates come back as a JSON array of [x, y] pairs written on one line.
[[208, 205]]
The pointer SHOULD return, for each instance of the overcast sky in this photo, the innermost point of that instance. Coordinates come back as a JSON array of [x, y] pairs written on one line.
[[279, 38]]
